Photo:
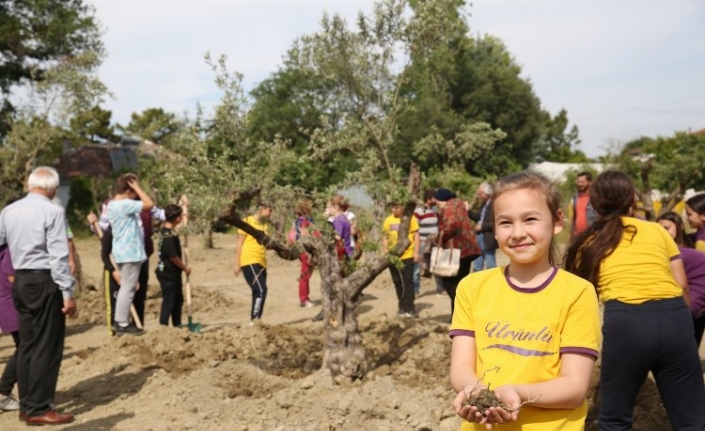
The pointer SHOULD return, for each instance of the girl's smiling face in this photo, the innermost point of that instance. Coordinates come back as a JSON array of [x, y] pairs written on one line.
[[524, 226], [694, 219], [669, 226]]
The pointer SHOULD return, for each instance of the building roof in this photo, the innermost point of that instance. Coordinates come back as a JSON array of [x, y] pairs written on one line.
[[96, 161]]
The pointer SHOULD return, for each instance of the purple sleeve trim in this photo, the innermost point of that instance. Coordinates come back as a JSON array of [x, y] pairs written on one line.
[[676, 257], [461, 333], [580, 350]]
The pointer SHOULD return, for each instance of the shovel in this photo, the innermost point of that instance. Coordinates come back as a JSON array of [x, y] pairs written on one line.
[[192, 326]]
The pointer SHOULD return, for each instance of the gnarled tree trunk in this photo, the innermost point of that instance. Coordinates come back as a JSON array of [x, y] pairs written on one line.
[[344, 353]]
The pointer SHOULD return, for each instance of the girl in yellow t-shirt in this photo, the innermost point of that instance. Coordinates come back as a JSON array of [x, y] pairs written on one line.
[[529, 331], [251, 260], [403, 275], [639, 274]]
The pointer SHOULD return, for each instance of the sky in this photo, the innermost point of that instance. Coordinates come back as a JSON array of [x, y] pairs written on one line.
[[621, 68]]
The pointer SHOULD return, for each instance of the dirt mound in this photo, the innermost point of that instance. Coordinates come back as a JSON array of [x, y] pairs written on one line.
[[233, 377]]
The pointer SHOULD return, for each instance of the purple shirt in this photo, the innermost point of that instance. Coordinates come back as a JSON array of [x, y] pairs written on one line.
[[9, 318], [341, 224], [694, 263]]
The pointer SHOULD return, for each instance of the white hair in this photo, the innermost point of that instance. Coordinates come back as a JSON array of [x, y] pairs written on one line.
[[485, 187], [44, 177]]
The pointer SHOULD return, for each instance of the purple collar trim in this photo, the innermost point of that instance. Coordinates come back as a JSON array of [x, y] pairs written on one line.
[[532, 289]]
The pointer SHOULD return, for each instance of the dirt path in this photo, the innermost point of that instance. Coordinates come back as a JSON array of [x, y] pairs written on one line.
[[232, 377]]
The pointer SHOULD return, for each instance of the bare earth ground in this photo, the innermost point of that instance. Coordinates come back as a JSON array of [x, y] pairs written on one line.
[[232, 377]]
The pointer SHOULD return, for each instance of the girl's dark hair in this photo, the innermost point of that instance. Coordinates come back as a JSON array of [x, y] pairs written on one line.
[[681, 238], [543, 187], [121, 185], [697, 203], [172, 212], [612, 195]]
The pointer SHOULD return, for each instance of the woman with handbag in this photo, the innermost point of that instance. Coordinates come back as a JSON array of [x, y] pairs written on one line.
[[455, 233]]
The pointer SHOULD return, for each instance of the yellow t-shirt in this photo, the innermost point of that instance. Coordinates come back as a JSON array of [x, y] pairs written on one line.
[[252, 251], [391, 229], [639, 269], [524, 332]]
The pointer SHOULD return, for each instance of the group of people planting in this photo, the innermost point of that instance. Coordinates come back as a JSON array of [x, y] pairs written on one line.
[[529, 332]]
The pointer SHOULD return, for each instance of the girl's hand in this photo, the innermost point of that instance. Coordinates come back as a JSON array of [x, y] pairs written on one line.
[[493, 415], [466, 411]]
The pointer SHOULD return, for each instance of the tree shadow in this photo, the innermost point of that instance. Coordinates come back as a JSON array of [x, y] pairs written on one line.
[[103, 389], [399, 342], [101, 424]]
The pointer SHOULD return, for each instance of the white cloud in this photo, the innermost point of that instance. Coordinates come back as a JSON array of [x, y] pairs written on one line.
[[621, 68]]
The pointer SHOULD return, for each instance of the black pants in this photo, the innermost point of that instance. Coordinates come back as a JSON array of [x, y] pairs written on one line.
[[404, 284], [450, 284], [9, 375], [699, 324], [42, 330], [655, 336], [141, 295], [172, 301], [111, 290], [256, 277]]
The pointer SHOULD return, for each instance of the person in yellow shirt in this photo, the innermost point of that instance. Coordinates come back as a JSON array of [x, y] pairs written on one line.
[[402, 274], [251, 260], [529, 331], [640, 277]]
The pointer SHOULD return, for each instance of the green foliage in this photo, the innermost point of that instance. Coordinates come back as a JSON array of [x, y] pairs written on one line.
[[558, 145], [93, 125], [213, 159], [37, 35], [153, 124], [37, 130], [288, 107], [81, 203]]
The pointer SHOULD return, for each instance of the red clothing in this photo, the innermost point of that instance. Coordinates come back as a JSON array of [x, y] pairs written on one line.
[[455, 228], [580, 220]]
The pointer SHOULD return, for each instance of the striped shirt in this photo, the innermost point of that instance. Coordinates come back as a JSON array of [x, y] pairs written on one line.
[[428, 223]]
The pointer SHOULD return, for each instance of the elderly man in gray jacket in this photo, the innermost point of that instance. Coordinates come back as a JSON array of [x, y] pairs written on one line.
[[35, 231]]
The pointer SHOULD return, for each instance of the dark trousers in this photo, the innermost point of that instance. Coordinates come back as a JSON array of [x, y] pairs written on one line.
[[141, 294], [256, 277], [111, 290], [655, 336], [450, 284], [42, 329], [699, 324], [403, 279], [172, 301], [9, 375]]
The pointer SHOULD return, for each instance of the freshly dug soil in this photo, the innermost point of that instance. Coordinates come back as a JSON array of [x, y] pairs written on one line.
[[236, 378]]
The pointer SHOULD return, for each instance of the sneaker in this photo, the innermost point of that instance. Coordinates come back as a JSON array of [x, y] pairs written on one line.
[[8, 403], [129, 329], [318, 317], [307, 304]]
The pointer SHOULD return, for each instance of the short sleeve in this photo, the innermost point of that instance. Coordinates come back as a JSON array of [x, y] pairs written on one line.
[[581, 332], [671, 246], [413, 225], [463, 322], [132, 207]]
